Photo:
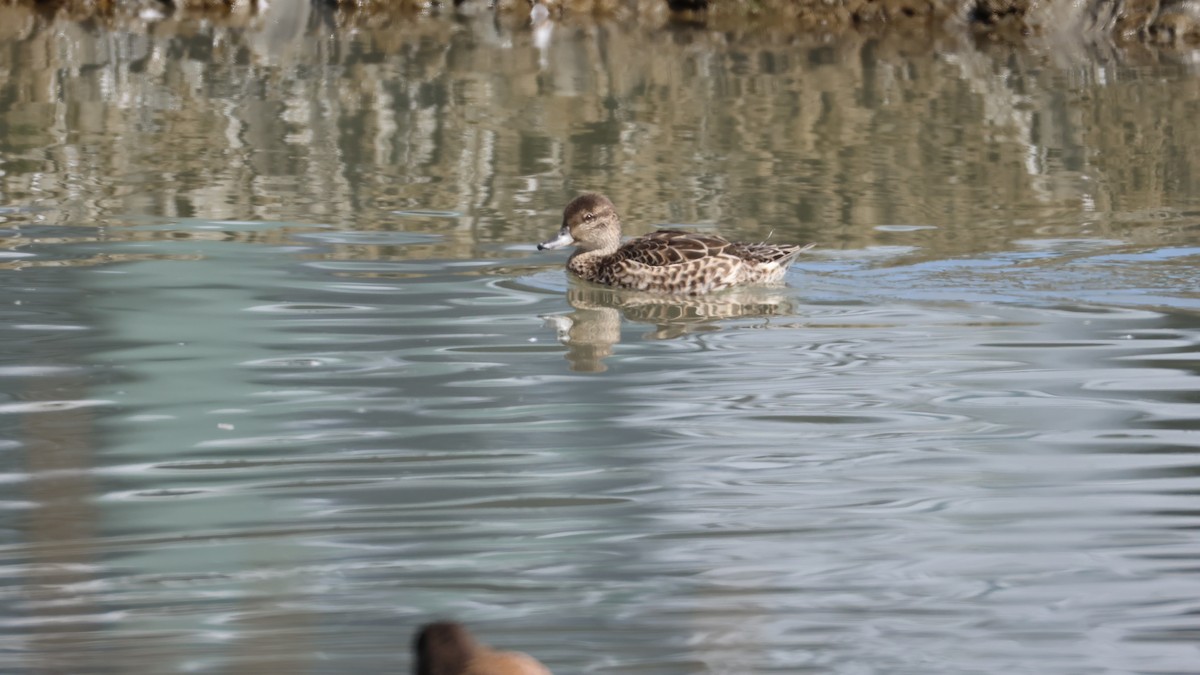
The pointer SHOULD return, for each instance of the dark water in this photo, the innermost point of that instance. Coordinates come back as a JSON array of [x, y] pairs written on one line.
[[281, 375]]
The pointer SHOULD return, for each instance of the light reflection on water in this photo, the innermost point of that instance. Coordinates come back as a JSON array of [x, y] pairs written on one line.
[[951, 444]]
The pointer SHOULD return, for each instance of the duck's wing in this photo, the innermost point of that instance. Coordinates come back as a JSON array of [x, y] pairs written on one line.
[[670, 247]]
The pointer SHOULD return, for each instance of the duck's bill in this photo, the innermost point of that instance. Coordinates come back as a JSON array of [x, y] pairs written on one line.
[[564, 238]]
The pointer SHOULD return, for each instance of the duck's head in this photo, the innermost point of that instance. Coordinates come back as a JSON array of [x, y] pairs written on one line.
[[589, 222], [443, 647]]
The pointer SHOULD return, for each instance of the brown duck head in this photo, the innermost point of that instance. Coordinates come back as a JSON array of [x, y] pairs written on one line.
[[590, 222]]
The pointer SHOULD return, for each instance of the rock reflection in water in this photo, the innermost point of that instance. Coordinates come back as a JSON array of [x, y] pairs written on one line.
[[594, 327]]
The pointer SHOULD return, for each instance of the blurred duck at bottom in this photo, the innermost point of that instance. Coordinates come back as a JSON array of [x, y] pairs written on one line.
[[448, 648]]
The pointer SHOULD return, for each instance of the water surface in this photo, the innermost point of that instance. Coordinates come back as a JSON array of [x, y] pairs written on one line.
[[282, 375]]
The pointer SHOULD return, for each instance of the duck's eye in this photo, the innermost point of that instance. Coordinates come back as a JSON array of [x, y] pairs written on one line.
[[589, 217]]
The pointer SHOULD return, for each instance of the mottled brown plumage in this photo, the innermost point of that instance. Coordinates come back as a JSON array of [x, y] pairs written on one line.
[[448, 648], [666, 261]]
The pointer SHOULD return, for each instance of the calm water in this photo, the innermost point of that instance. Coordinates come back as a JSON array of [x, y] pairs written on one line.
[[282, 376]]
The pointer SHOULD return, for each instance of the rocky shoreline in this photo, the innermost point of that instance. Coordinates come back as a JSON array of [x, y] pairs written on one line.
[[1171, 23]]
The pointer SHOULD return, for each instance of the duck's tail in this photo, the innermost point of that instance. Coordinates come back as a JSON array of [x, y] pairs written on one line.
[[790, 253]]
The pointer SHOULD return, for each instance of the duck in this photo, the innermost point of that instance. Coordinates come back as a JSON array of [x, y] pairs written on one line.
[[448, 648], [667, 261]]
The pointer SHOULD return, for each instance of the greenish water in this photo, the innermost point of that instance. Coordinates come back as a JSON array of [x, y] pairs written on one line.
[[282, 375]]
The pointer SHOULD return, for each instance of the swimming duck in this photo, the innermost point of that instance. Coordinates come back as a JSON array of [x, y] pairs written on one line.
[[666, 261], [448, 648]]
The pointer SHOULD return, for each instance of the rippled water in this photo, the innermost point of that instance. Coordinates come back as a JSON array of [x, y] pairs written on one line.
[[282, 376]]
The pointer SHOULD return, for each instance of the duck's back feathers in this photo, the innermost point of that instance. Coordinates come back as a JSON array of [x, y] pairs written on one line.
[[670, 247], [505, 663]]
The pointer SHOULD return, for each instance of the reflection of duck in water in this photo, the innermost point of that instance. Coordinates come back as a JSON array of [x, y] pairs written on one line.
[[594, 327], [667, 261], [447, 648]]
